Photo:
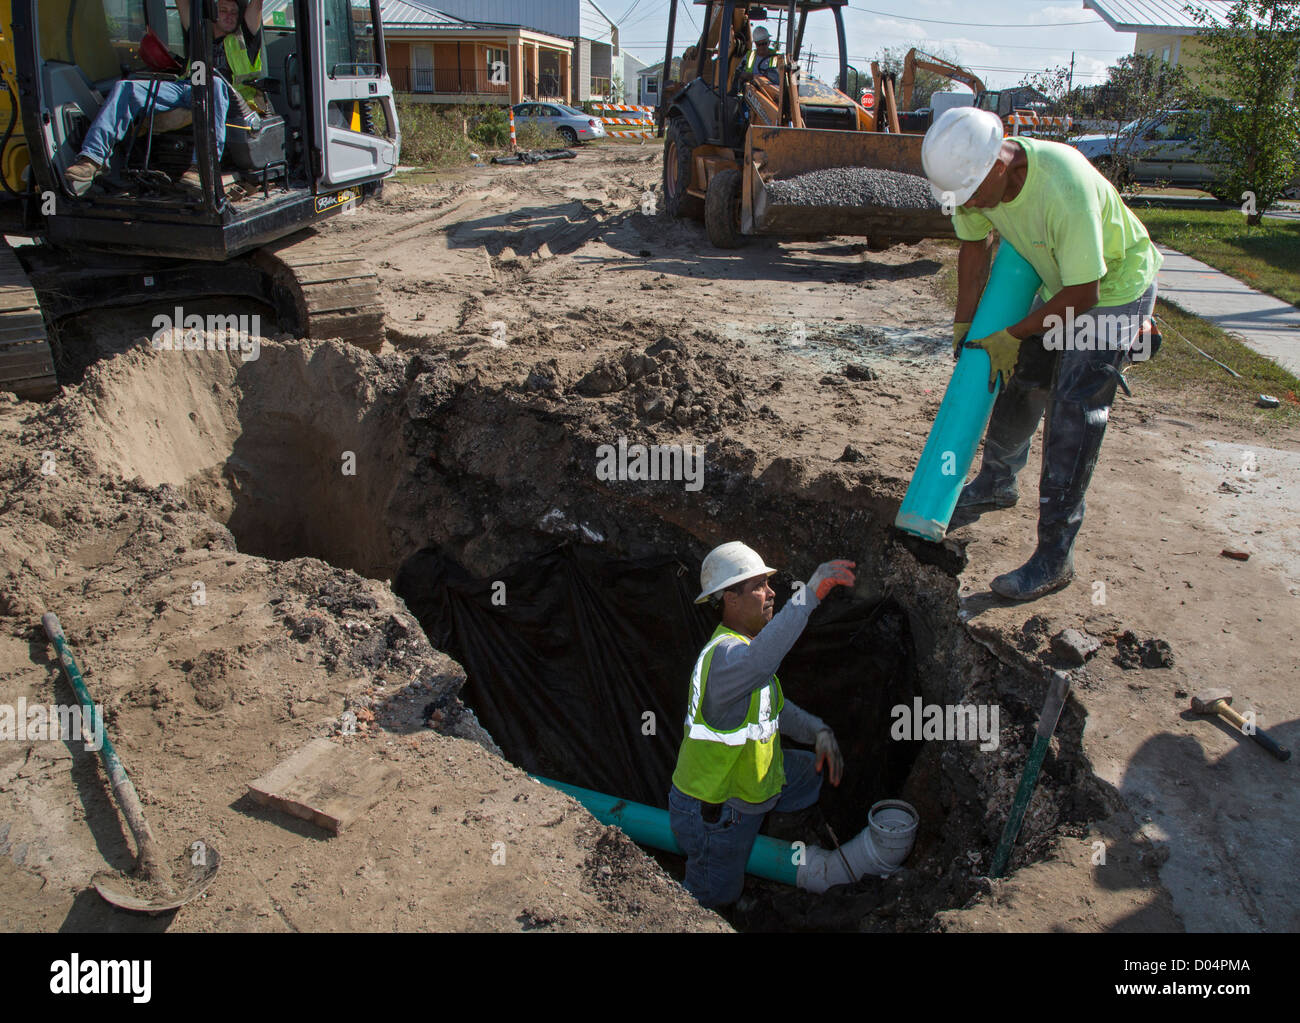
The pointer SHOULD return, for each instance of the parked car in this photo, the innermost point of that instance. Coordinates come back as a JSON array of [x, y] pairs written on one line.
[[571, 125], [1173, 148]]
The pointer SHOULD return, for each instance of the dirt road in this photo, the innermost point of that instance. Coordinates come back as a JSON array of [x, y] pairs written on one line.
[[535, 313]]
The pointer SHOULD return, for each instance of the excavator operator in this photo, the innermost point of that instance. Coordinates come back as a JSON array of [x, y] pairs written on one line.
[[238, 30]]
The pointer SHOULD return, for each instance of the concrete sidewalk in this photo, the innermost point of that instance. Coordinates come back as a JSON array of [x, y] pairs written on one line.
[[1266, 324]]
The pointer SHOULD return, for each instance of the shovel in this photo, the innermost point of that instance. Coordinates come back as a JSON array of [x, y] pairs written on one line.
[[152, 886]]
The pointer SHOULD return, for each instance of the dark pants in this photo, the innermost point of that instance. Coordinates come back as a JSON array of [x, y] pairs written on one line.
[[716, 852], [1074, 388]]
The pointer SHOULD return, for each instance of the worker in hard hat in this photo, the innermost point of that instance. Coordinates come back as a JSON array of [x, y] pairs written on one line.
[[1098, 268], [762, 58], [731, 769]]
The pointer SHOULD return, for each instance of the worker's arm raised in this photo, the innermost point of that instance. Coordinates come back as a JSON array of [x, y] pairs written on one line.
[[738, 668], [253, 16]]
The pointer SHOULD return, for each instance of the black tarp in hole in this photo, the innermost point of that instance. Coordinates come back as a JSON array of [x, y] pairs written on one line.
[[576, 648]]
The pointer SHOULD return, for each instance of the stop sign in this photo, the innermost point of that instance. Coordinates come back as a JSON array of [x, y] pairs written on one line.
[[868, 99]]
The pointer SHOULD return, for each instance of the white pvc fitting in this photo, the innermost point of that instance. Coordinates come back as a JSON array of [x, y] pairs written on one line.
[[878, 849], [892, 824]]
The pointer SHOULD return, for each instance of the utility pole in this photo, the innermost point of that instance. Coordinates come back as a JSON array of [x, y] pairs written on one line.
[[1070, 87]]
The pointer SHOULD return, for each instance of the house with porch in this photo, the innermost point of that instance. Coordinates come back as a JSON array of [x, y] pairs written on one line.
[[437, 57], [598, 60]]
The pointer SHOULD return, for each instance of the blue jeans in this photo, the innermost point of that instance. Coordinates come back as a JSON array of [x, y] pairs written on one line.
[[127, 102], [716, 853]]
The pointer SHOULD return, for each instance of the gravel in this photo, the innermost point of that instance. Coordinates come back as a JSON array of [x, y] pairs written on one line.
[[854, 186]]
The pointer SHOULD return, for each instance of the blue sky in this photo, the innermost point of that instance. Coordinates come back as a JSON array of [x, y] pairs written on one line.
[[1043, 34]]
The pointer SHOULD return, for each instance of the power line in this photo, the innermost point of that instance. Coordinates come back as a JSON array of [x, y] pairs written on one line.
[[971, 24], [628, 13], [661, 10]]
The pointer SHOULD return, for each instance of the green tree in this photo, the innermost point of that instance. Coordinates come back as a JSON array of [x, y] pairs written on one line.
[[1063, 101], [1252, 61], [858, 83], [1137, 89]]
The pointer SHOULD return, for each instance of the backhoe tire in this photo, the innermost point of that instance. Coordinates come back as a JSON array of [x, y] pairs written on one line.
[[722, 209], [679, 143]]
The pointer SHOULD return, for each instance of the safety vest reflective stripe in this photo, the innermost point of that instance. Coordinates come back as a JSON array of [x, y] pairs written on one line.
[[759, 731]]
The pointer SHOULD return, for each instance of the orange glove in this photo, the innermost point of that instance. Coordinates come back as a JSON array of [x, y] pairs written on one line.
[[832, 574]]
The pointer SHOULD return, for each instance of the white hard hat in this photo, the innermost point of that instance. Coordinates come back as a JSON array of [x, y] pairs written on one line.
[[728, 564], [959, 150], [760, 35]]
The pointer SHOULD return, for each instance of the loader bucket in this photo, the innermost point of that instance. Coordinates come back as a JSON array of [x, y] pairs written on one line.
[[777, 154]]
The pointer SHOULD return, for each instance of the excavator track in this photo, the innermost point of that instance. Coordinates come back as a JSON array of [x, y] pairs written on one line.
[[26, 360], [326, 290]]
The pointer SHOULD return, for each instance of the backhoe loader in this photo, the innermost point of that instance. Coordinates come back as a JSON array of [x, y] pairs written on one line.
[[729, 134]]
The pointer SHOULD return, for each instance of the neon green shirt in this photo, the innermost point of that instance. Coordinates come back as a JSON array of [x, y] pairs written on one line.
[[1071, 225]]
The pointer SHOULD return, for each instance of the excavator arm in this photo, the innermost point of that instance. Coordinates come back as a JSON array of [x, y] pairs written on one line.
[[928, 62]]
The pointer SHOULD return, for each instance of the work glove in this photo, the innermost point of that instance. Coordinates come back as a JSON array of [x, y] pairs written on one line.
[[832, 574], [1004, 351], [829, 750], [959, 332]]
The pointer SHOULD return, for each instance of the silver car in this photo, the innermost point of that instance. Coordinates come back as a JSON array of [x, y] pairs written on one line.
[[1172, 148], [571, 125]]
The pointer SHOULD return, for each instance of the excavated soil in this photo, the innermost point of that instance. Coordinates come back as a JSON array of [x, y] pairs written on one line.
[[220, 539]]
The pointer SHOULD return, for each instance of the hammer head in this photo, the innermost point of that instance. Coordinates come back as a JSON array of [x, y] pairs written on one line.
[[1204, 701]]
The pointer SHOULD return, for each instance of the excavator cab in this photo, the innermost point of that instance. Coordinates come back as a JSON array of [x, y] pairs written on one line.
[[325, 133], [314, 134]]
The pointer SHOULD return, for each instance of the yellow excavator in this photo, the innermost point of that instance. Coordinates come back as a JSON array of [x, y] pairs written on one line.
[[323, 138], [1015, 120], [729, 134], [919, 60]]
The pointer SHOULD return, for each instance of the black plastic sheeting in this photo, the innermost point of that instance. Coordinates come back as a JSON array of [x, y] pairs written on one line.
[[568, 653]]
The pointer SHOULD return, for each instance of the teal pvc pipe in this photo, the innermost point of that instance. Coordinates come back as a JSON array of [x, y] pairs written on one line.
[[964, 414], [648, 825]]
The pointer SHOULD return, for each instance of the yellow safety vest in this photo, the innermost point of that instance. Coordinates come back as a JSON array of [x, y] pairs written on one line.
[[242, 70], [714, 765], [767, 61]]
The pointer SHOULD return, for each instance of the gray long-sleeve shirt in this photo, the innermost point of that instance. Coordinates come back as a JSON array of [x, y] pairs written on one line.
[[739, 668]]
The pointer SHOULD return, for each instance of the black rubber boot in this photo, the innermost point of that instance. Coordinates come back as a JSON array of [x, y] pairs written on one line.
[[1006, 448], [1071, 445]]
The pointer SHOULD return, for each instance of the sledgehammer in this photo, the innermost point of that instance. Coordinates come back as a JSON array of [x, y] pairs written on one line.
[[1217, 701]]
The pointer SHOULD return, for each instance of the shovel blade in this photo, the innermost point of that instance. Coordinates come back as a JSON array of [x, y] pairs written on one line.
[[141, 895]]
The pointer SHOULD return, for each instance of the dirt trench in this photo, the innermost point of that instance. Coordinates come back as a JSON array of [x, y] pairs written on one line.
[[394, 467]]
